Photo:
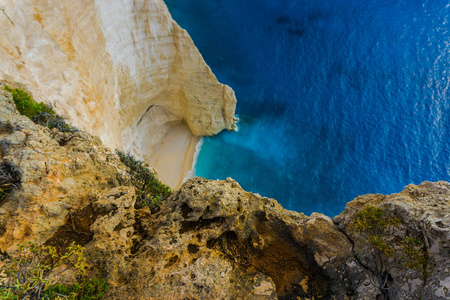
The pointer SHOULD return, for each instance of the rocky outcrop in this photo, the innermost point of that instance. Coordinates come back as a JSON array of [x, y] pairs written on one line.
[[208, 240], [425, 213], [121, 70], [59, 173], [213, 240]]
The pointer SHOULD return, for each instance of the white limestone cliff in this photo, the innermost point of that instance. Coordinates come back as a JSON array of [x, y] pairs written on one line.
[[122, 70]]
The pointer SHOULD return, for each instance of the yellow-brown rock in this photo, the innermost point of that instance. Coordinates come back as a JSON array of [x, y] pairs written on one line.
[[59, 173]]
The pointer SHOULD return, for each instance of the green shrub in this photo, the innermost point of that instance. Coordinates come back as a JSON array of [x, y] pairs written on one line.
[[150, 190], [88, 289], [386, 249], [26, 105], [39, 113], [29, 273]]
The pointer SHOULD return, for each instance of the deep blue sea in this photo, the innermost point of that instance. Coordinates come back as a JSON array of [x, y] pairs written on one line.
[[336, 98]]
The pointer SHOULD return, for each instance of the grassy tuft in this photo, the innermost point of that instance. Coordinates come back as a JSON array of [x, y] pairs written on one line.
[[150, 190], [30, 274], [87, 289], [39, 113], [26, 105]]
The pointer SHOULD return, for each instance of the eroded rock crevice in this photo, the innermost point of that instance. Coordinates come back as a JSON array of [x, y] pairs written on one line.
[[77, 228]]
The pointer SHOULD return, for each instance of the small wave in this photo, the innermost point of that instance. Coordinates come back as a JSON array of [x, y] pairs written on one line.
[[235, 126], [191, 172]]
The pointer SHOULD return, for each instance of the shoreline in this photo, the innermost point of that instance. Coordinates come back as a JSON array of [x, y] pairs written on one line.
[[191, 172], [175, 156]]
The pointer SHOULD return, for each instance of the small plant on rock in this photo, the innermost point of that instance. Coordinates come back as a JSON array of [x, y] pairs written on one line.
[[29, 274], [385, 250], [39, 113], [87, 289], [25, 103], [150, 190]]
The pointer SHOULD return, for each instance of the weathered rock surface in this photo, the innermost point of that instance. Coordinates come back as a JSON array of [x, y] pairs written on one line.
[[425, 213], [60, 172], [213, 240], [208, 240], [121, 70]]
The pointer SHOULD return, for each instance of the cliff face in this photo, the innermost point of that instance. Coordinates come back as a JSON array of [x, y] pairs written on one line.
[[122, 70], [208, 240]]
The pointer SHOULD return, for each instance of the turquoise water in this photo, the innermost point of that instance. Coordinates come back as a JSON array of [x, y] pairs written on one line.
[[335, 98]]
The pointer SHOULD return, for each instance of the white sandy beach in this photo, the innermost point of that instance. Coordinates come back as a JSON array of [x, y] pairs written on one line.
[[173, 158]]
